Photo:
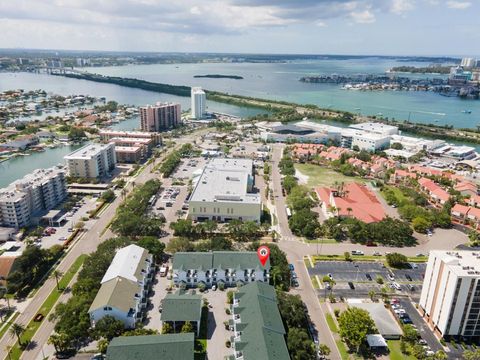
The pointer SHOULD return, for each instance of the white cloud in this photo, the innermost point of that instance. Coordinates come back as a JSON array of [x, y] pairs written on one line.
[[363, 17], [402, 6], [459, 5]]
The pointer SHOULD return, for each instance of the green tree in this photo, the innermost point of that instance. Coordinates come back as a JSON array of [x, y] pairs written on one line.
[[153, 245], [474, 237], [419, 352], [108, 327], [300, 345], [57, 274], [167, 328], [102, 345], [410, 334], [60, 342], [289, 182], [440, 355], [324, 350], [304, 222], [230, 295], [179, 244], [17, 330], [371, 295], [187, 327], [347, 256], [354, 325], [396, 260], [471, 354], [421, 224], [108, 196]]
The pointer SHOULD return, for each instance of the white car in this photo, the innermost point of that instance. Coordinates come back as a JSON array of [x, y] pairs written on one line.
[[391, 277], [430, 353]]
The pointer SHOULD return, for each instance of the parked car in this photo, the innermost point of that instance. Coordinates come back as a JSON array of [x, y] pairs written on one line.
[[369, 277], [377, 253], [291, 267], [293, 274], [407, 320], [357, 252], [214, 287], [414, 266], [422, 342], [327, 286], [408, 277], [351, 285], [296, 284], [390, 277], [397, 286], [330, 276]]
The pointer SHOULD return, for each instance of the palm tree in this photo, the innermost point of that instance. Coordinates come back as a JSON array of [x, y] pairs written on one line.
[[371, 295], [349, 211], [57, 274], [17, 330]]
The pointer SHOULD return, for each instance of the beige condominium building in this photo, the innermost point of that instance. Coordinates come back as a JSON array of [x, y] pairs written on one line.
[[28, 197], [450, 299], [225, 191], [92, 161], [160, 117]]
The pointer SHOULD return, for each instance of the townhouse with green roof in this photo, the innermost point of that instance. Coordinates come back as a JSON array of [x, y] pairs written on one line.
[[152, 347], [181, 307], [125, 286], [258, 331], [230, 268]]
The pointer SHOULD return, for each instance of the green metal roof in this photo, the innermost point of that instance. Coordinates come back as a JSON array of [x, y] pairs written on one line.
[[218, 260], [118, 293], [192, 260], [152, 347], [181, 307], [261, 324]]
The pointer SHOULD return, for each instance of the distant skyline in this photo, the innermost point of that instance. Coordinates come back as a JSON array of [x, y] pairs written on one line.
[[354, 27]]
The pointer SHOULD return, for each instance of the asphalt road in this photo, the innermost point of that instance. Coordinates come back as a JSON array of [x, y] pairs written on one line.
[[295, 256]]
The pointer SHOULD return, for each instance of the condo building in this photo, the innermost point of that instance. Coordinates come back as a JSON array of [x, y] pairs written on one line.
[[92, 161], [450, 299], [224, 191], [160, 117], [28, 197], [124, 289], [199, 100], [107, 135]]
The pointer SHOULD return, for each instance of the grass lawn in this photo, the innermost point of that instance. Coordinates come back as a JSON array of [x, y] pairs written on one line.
[[395, 353], [322, 241], [315, 258], [323, 176], [47, 306], [331, 323], [342, 349], [7, 325]]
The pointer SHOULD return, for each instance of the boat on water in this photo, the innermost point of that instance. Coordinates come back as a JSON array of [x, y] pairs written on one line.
[[467, 111]]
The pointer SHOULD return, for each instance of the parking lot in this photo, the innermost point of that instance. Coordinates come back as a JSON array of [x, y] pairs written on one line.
[[187, 167], [73, 217], [363, 275]]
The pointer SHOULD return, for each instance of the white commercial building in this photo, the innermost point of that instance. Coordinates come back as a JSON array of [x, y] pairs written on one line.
[[413, 144], [468, 63], [125, 287], [28, 197], [377, 128], [92, 161], [199, 101], [224, 191], [450, 299]]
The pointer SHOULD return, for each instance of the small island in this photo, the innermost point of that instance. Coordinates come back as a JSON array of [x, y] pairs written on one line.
[[432, 69], [219, 76]]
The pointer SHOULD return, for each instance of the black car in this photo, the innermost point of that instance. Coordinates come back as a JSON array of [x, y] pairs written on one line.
[[369, 277], [351, 285], [407, 320], [409, 278]]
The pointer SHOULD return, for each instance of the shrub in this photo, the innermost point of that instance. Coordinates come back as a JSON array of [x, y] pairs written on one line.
[[228, 343], [336, 312], [227, 311], [379, 280], [221, 286], [230, 297]]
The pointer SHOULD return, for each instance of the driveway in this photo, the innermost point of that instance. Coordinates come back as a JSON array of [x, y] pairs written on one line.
[[217, 334]]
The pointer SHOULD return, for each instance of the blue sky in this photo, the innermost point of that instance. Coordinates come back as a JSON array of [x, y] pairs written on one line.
[[384, 27]]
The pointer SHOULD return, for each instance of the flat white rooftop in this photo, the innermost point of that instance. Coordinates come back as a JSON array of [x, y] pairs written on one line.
[[376, 128], [462, 263], [87, 152], [226, 180]]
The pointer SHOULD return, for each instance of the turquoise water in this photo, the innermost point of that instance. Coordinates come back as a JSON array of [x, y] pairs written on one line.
[[280, 81]]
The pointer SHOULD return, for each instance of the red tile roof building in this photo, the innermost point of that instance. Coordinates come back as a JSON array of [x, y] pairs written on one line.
[[434, 191], [353, 200]]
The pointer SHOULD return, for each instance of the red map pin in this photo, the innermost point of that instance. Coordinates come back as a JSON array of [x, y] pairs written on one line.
[[263, 253]]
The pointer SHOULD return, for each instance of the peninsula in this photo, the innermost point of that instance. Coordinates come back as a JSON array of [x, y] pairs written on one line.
[[289, 112], [219, 76]]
